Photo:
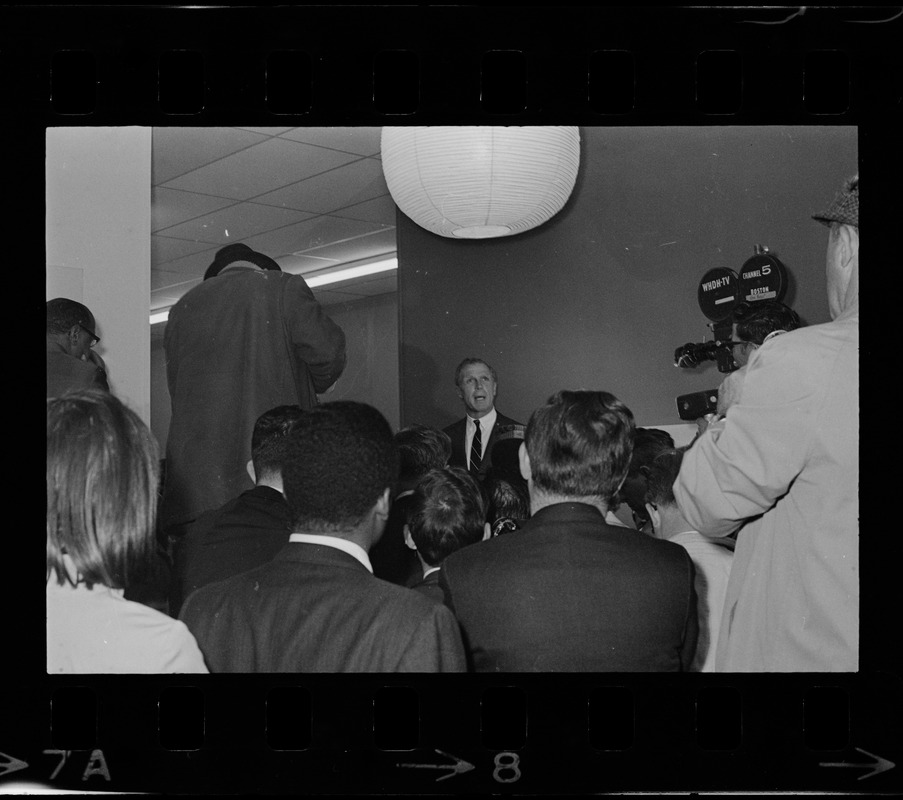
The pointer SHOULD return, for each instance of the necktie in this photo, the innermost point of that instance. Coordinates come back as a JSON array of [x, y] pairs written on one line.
[[476, 448]]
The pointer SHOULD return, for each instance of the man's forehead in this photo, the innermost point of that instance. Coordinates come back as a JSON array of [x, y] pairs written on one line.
[[476, 369]]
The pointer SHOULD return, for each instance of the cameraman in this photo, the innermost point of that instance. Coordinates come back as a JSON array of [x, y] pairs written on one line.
[[754, 324]]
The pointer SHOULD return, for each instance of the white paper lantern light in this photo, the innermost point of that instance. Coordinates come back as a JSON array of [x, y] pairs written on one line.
[[479, 182]]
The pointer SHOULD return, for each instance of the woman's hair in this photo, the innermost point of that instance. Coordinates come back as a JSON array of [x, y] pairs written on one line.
[[102, 480]]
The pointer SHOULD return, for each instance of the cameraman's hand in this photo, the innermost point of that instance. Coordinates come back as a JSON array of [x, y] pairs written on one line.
[[702, 424]]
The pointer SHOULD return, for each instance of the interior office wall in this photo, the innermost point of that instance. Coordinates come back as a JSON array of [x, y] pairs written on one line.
[[600, 296], [97, 230], [371, 375]]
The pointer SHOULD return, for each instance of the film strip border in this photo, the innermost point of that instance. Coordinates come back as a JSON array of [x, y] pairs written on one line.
[[410, 734], [466, 734], [339, 65]]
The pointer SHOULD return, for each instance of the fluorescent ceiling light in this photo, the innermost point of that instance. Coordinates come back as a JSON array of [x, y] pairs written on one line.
[[347, 273], [321, 279]]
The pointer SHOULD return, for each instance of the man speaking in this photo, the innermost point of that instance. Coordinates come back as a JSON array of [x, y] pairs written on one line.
[[473, 437]]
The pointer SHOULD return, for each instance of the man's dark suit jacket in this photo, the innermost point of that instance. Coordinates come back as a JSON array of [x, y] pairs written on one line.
[[66, 373], [314, 608], [391, 559], [569, 593], [457, 433], [429, 587], [245, 533]]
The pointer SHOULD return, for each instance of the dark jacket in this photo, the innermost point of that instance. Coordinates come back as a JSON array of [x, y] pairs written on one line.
[[314, 608], [246, 532], [570, 593], [458, 432], [237, 345], [65, 373]]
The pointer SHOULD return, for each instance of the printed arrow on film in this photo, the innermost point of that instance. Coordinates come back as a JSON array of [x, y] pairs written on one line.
[[878, 764], [457, 768], [10, 764]]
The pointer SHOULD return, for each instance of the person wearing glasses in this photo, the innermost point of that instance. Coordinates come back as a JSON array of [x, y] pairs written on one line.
[[72, 363], [754, 325], [784, 462]]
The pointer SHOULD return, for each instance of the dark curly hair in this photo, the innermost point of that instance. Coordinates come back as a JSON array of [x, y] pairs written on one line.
[[340, 458]]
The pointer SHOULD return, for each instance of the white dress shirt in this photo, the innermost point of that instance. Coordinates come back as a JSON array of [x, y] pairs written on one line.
[[486, 424], [339, 544]]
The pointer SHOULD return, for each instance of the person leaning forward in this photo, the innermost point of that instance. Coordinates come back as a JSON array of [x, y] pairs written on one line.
[[247, 339]]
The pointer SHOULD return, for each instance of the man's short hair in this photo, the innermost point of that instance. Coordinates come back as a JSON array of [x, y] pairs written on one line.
[[507, 497], [63, 313], [647, 444], [446, 514], [661, 473], [579, 444], [756, 320], [102, 481], [420, 449], [468, 362], [341, 457], [269, 438]]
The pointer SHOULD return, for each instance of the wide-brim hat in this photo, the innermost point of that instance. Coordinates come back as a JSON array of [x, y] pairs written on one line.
[[845, 208], [238, 252]]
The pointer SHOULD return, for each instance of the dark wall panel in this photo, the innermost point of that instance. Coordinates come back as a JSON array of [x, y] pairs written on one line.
[[601, 295]]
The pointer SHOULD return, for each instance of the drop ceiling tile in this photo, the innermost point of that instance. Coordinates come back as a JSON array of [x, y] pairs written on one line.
[[347, 185], [170, 281], [379, 243], [259, 169], [381, 284], [235, 223], [176, 151], [302, 264], [185, 268], [165, 249], [170, 207], [311, 233], [381, 210], [361, 140]]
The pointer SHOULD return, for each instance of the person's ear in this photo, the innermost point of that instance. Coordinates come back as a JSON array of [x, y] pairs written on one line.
[[384, 504], [251, 472], [849, 244], [524, 462], [408, 540], [655, 518], [487, 532]]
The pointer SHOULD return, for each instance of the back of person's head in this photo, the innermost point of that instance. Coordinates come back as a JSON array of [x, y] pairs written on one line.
[[661, 473], [508, 498], [269, 439], [420, 449], [63, 313], [102, 480], [579, 444], [467, 362], [648, 443], [756, 321], [341, 457], [446, 514]]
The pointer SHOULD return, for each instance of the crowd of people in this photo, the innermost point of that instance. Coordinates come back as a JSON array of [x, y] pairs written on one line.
[[308, 536]]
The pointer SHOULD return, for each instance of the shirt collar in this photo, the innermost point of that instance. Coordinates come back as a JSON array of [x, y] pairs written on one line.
[[351, 548], [431, 570], [486, 422]]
